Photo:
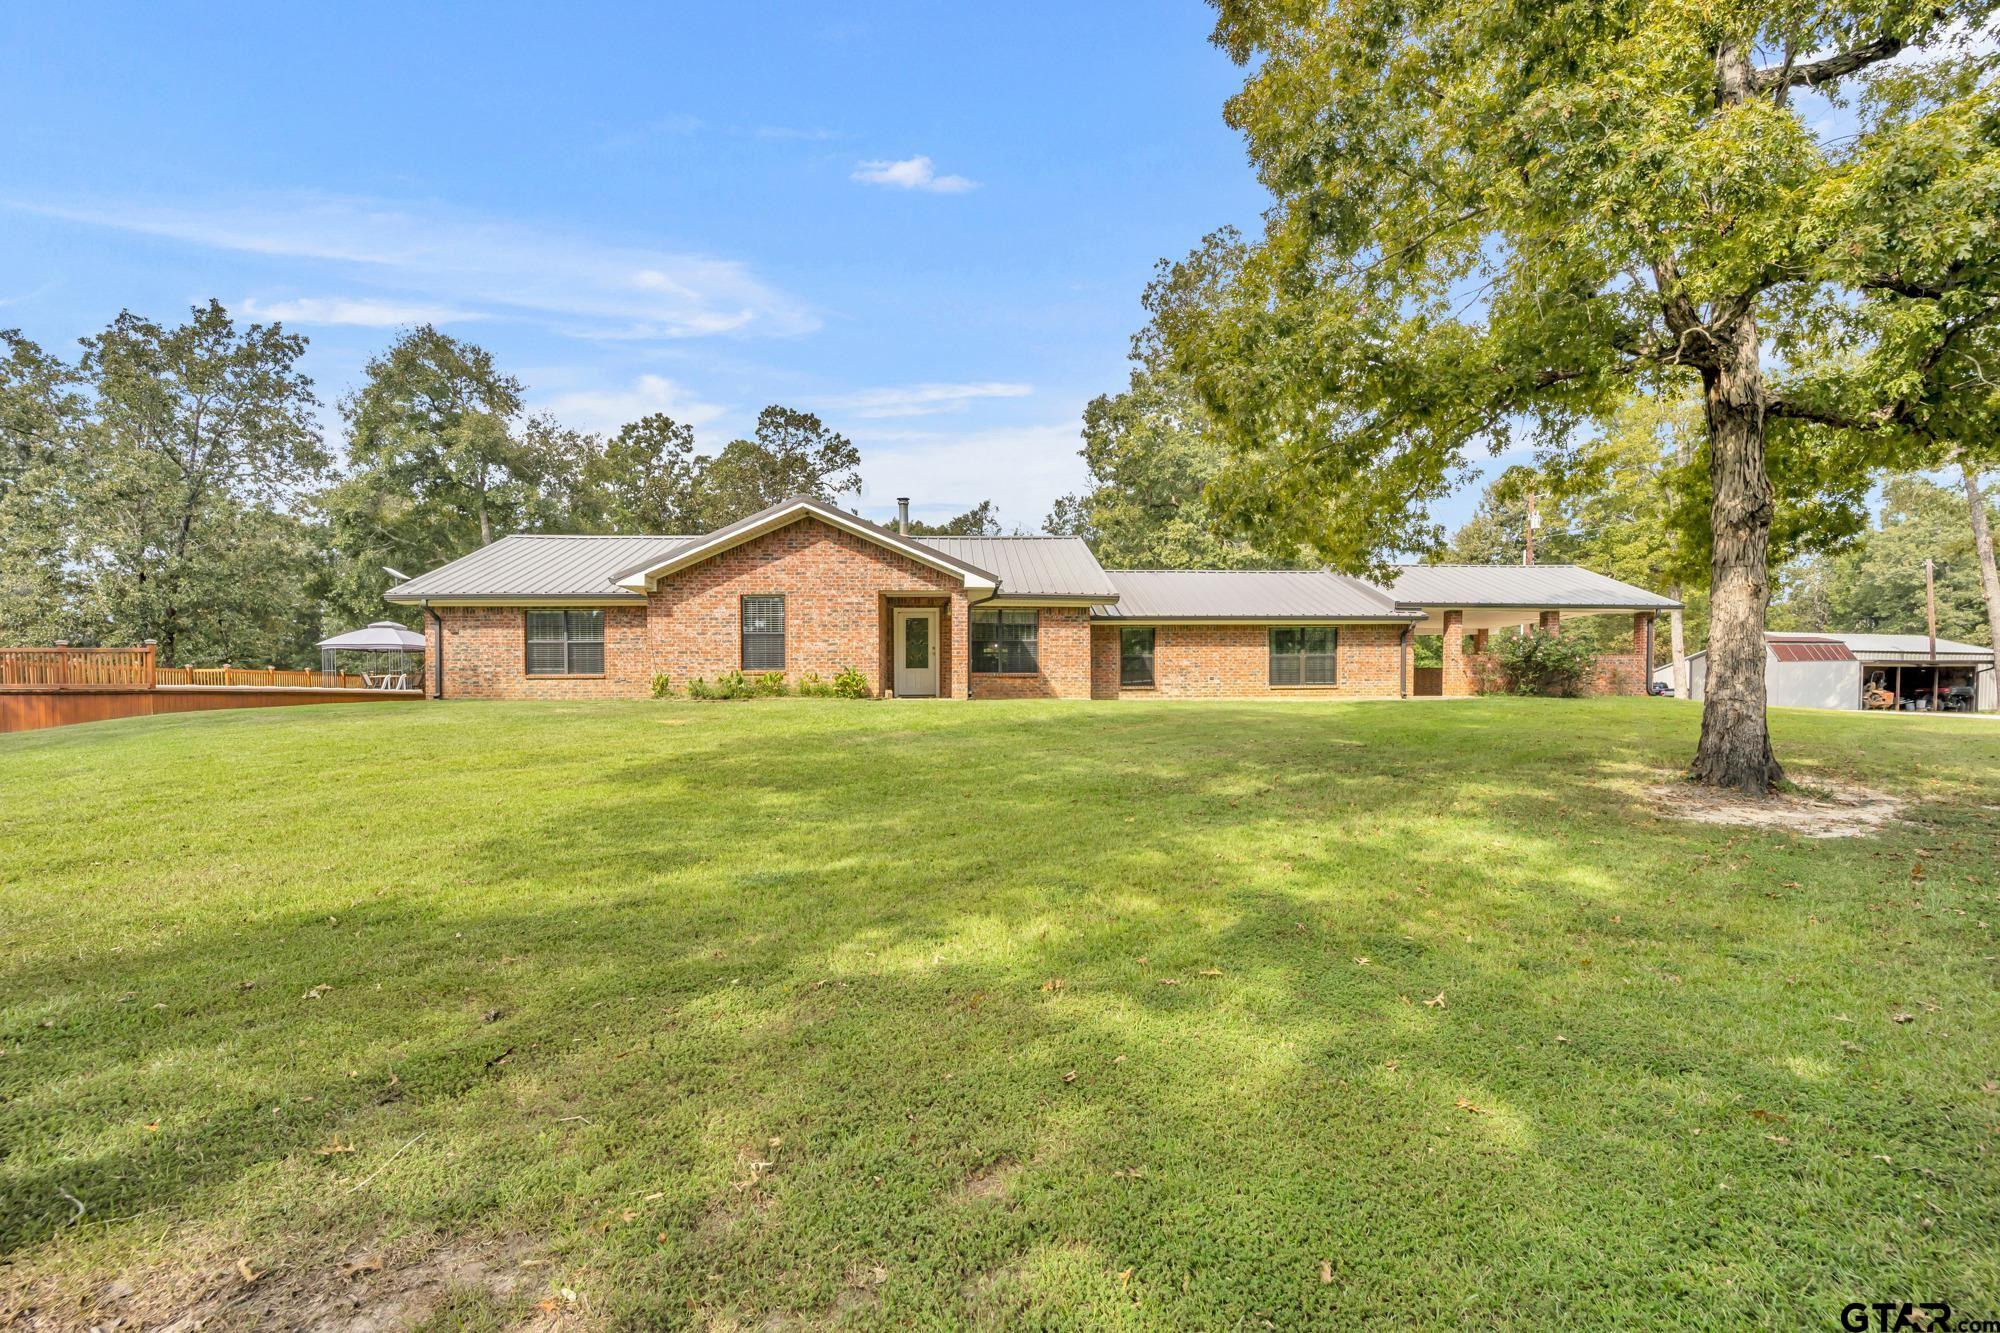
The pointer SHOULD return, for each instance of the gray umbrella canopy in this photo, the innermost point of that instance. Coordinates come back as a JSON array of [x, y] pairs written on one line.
[[384, 636]]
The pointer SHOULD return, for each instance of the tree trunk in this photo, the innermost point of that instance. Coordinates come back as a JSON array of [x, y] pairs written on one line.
[[1982, 542], [1735, 748], [1677, 638]]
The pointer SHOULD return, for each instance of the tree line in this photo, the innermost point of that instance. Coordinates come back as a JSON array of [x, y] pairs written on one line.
[[172, 482]]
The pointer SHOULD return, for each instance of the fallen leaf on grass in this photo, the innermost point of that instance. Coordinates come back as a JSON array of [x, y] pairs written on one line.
[[1125, 1279], [1053, 984], [1900, 1017], [1361, 960], [1778, 1139], [1325, 1272], [1465, 1104], [1391, 1064], [246, 1272], [1170, 981], [317, 991], [1435, 1002], [1070, 1077], [1760, 1113], [356, 1267], [1209, 972], [1561, 1040], [335, 1147]]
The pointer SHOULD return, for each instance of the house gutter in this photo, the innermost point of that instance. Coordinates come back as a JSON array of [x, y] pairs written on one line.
[[437, 666], [968, 634]]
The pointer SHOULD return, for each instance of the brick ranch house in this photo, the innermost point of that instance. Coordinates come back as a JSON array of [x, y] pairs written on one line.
[[805, 586]]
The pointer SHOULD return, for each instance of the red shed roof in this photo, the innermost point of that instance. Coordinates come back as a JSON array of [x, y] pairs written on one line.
[[1810, 650]]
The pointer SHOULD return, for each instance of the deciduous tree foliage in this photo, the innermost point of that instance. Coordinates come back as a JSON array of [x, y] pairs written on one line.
[[1876, 585], [1497, 216], [145, 491], [790, 453], [977, 521], [1152, 454]]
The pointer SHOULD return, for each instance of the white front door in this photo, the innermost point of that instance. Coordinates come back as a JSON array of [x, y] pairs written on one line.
[[916, 654]]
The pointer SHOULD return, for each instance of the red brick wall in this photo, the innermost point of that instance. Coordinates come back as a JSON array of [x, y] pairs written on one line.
[[833, 582], [1233, 662], [1062, 656], [1104, 669], [485, 657]]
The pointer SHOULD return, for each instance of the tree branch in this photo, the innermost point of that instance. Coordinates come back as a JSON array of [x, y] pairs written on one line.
[[1814, 73]]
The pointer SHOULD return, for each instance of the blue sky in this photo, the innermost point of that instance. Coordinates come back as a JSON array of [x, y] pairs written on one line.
[[929, 223]]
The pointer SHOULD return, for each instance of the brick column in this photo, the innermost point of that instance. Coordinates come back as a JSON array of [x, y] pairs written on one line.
[[1552, 622], [1479, 641], [1642, 644], [1457, 676], [957, 664]]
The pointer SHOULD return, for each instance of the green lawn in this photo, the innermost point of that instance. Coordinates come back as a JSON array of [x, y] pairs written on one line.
[[1157, 1015]]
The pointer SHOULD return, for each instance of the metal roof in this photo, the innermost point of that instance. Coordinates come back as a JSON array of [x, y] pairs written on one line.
[[1555, 587], [1246, 594], [1809, 650], [1913, 648], [1902, 647], [564, 568], [1031, 566]]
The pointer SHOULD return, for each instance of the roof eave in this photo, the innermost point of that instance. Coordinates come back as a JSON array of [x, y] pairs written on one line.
[[641, 579]]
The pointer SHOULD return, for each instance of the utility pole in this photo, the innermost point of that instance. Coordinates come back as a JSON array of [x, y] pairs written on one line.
[[1930, 617], [1534, 521]]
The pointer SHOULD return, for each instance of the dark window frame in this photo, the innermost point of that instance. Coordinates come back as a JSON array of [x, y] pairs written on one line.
[[763, 636], [1126, 680], [576, 640], [990, 653], [1301, 666]]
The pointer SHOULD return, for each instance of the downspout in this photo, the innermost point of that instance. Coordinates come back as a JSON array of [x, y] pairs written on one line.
[[968, 635], [1403, 663], [437, 665]]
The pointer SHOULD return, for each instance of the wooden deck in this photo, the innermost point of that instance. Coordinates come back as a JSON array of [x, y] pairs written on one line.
[[56, 687]]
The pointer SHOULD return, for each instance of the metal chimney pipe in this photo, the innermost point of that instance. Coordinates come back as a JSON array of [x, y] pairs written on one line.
[[903, 514]]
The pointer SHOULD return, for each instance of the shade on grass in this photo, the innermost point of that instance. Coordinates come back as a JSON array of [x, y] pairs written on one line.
[[734, 1011]]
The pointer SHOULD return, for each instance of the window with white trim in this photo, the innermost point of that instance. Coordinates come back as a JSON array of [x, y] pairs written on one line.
[[764, 633]]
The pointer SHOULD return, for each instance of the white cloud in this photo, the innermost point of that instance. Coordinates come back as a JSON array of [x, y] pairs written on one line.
[[365, 311], [920, 400], [912, 173], [605, 410], [1022, 469], [433, 256]]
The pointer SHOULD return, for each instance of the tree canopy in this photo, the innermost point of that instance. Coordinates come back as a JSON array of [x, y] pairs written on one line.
[[1497, 218]]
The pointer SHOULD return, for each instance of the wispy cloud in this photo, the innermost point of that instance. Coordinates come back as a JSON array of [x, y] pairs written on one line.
[[911, 173], [367, 312], [434, 256], [807, 133], [921, 400], [605, 410]]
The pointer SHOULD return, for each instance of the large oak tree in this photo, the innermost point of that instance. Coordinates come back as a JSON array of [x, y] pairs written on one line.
[[1496, 216]]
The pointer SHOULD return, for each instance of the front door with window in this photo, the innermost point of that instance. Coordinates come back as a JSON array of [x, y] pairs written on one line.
[[916, 654]]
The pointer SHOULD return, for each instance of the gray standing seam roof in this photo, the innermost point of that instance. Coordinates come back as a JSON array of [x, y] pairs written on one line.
[[1551, 586], [1030, 566], [529, 565], [587, 568], [1246, 594]]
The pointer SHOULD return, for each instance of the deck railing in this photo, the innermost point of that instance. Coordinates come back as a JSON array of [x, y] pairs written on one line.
[[65, 668]]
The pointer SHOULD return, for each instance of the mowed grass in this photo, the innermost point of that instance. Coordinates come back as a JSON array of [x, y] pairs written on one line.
[[1147, 1015]]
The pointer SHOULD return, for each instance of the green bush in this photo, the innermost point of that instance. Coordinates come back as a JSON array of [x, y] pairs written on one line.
[[770, 685], [663, 687], [1537, 662], [731, 685], [850, 684], [814, 686]]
